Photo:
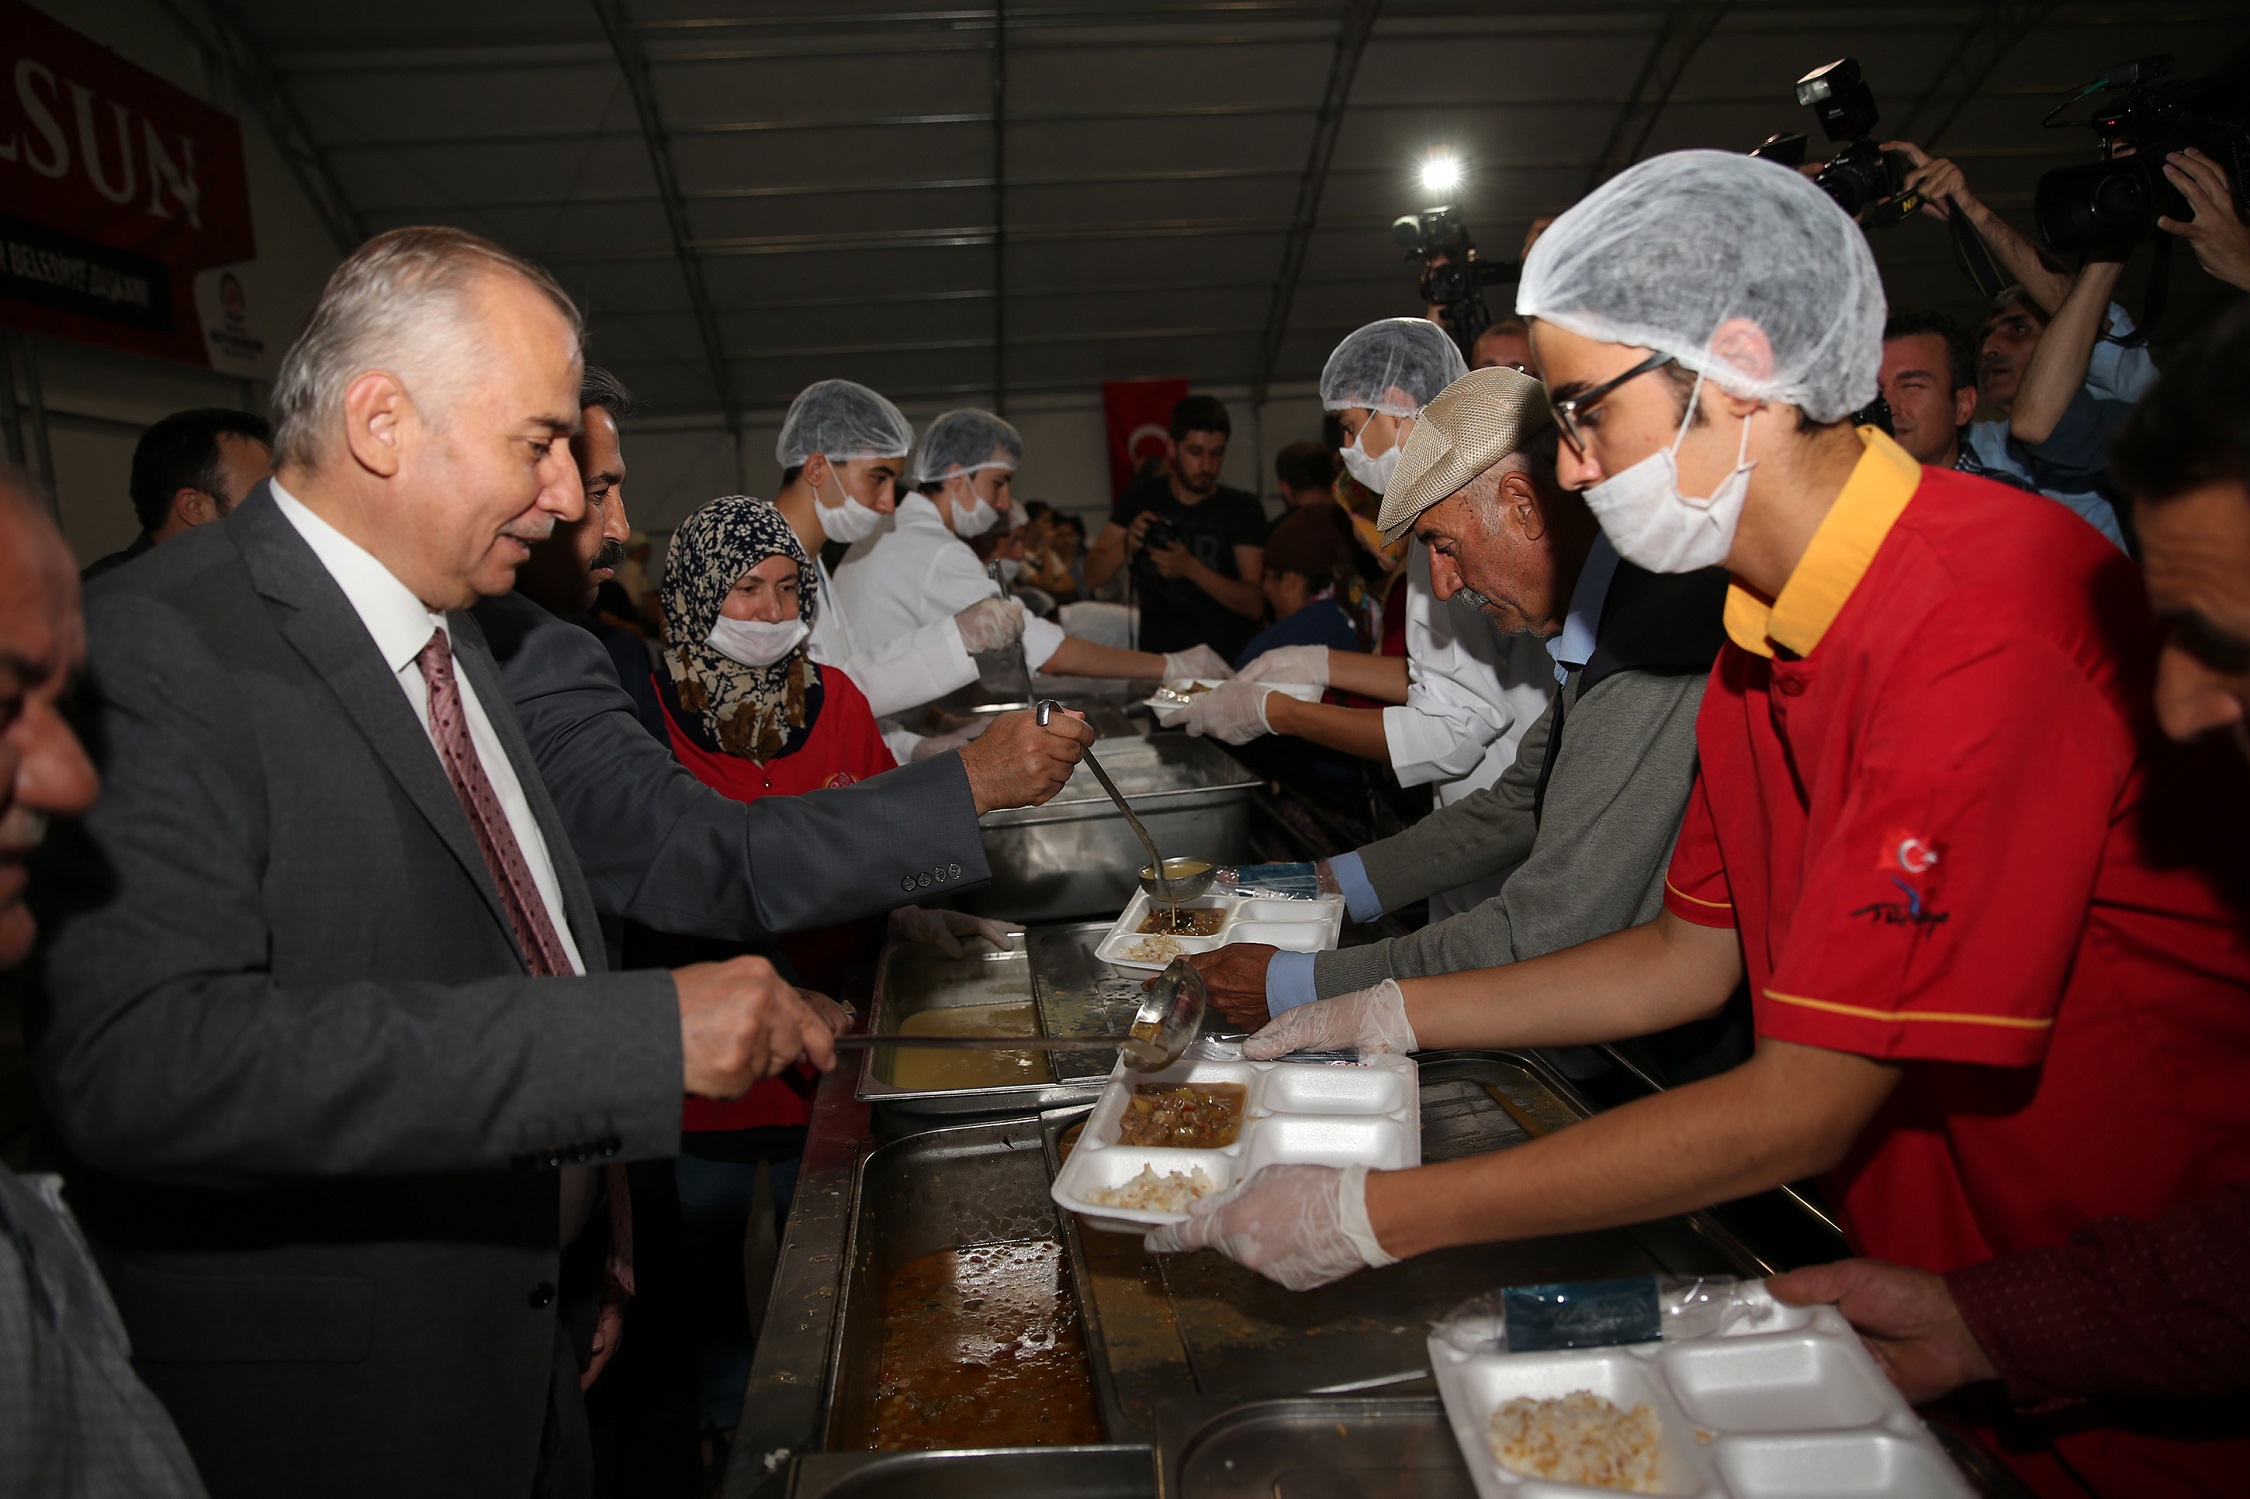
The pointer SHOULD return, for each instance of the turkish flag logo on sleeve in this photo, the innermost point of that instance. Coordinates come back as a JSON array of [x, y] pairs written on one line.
[[1139, 416]]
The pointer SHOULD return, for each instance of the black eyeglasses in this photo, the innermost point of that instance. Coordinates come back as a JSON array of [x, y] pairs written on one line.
[[1567, 409]]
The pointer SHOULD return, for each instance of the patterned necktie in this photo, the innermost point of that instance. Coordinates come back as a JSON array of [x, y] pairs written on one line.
[[542, 950]]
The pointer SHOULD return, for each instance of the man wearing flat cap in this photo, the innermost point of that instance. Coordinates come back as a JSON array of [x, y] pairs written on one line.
[[1579, 827]]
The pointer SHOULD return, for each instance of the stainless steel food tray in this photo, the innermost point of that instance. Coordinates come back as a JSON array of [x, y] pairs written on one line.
[[1073, 993], [978, 1473], [1075, 856]]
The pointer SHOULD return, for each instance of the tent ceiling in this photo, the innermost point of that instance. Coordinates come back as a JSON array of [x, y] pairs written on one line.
[[930, 200]]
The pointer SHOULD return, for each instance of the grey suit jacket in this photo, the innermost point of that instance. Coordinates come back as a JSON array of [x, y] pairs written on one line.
[[660, 847], [1582, 830], [312, 1104]]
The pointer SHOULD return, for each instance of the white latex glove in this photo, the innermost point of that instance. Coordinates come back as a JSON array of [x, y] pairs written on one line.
[[990, 625], [1365, 1020], [1303, 1226], [945, 929], [1197, 661], [1232, 711], [1307, 664]]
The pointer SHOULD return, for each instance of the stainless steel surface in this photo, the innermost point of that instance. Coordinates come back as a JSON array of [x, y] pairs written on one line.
[[1079, 995], [971, 1184], [1310, 1448], [863, 1039], [911, 977], [1156, 875], [1075, 856], [1167, 1326], [979, 1473]]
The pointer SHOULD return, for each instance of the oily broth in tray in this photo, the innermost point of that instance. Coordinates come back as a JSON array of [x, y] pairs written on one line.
[[982, 1348]]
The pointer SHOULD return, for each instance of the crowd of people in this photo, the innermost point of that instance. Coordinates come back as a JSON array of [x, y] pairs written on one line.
[[431, 945]]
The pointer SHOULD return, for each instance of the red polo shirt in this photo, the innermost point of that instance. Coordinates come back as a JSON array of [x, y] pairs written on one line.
[[1932, 803]]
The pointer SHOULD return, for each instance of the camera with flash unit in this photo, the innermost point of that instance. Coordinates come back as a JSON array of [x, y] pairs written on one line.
[[1866, 181]]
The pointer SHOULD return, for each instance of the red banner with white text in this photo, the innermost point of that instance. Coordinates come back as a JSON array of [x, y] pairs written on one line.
[[124, 204], [1139, 417]]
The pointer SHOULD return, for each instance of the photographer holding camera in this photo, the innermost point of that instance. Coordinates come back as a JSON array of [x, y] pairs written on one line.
[[2059, 364], [1196, 546]]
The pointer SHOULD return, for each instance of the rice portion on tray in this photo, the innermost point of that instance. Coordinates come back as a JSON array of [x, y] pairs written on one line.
[[1150, 1193], [1580, 1438]]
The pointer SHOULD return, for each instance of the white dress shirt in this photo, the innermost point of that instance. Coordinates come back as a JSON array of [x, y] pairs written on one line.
[[400, 626]]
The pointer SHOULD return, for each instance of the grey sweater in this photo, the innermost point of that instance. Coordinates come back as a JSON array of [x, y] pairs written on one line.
[[1586, 855]]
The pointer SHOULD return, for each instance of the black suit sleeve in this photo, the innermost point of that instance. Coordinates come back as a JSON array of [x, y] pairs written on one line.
[[171, 1047], [665, 850]]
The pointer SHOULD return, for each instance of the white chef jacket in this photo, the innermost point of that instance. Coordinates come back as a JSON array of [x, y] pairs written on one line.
[[916, 574], [895, 674], [1471, 692]]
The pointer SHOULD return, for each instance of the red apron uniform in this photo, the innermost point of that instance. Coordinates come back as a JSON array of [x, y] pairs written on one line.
[[843, 748], [1932, 803]]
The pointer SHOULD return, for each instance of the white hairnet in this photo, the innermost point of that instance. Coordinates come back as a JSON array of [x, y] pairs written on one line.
[[1662, 254], [843, 421], [1410, 355], [963, 442]]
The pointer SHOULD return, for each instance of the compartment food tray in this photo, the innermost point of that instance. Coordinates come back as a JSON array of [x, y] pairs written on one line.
[[1365, 1113], [1291, 925], [1782, 1402]]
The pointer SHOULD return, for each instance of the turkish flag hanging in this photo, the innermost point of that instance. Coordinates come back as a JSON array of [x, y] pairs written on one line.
[[1139, 415]]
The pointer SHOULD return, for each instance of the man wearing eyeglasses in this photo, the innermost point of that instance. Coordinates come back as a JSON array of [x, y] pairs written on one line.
[[1982, 907]]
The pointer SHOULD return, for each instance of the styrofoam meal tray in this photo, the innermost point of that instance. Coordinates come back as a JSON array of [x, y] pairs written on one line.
[[1291, 925], [1168, 697], [1782, 1404], [1366, 1113]]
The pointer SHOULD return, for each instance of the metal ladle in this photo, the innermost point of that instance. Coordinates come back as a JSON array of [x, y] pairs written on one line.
[[1163, 879], [1170, 1016]]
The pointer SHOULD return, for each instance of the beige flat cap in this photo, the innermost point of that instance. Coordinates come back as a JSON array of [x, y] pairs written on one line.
[[1474, 423]]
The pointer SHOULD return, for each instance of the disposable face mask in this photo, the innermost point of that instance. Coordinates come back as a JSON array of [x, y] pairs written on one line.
[[1010, 568], [756, 642], [1654, 526], [848, 522], [976, 518], [1375, 473]]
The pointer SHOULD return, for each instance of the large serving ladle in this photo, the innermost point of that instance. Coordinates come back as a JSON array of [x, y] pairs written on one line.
[[1168, 880], [1169, 1018]]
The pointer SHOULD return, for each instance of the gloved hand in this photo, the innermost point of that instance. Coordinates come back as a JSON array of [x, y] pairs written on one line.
[[945, 929], [989, 625], [1365, 1020], [1303, 1226], [1307, 664], [1233, 711], [1196, 661]]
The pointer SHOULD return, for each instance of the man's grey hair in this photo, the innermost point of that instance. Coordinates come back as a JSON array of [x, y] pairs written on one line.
[[397, 302], [1535, 460]]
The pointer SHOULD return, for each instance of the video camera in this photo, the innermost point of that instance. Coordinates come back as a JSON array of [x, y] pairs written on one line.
[[2111, 203], [1453, 275], [1866, 181]]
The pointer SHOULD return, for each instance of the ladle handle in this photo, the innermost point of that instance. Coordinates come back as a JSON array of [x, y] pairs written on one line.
[[988, 1043], [1155, 859]]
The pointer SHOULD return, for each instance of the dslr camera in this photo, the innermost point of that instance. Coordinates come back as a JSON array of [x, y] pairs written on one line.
[[1453, 275], [2111, 203], [1867, 182]]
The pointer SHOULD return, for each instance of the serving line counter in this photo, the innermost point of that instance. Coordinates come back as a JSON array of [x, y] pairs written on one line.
[[1181, 1374]]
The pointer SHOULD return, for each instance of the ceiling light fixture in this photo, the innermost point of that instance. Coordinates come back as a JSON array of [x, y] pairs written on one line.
[[1441, 174]]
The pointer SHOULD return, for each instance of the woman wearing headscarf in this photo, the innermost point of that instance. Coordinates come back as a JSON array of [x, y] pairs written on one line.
[[750, 714]]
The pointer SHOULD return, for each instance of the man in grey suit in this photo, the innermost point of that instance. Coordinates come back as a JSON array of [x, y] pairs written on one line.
[[74, 1421], [1581, 826], [326, 1037]]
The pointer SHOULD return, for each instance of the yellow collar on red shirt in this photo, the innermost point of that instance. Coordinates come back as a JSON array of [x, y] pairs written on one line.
[[1883, 480]]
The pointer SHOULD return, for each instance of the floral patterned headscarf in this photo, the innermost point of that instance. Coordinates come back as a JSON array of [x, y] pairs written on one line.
[[757, 712]]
